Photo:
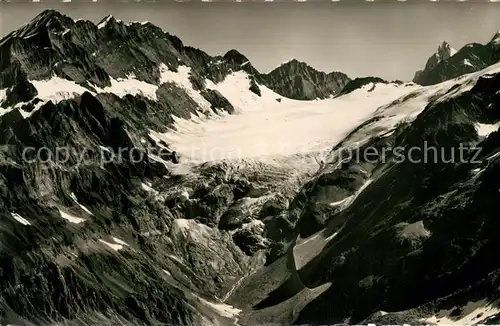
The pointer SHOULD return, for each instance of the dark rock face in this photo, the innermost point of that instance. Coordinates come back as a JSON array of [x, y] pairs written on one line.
[[90, 55], [297, 80], [217, 100], [447, 63], [67, 267]]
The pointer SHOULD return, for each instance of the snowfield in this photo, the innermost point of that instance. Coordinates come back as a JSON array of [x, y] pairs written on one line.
[[474, 313], [266, 130], [484, 130]]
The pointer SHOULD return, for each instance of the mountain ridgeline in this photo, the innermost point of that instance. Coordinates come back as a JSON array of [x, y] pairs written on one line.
[[81, 51]]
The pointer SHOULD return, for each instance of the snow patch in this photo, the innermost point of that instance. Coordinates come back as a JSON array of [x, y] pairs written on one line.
[[3, 97], [20, 219], [412, 231], [222, 309], [191, 229], [453, 51], [30, 36], [71, 218], [130, 85], [105, 149], [116, 245], [159, 160], [306, 249], [473, 313], [340, 202], [3, 94], [147, 187], [104, 22], [182, 223], [484, 130], [468, 63]]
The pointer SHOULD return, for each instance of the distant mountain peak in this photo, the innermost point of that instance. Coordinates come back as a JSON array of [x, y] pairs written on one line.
[[48, 13], [46, 18], [496, 39], [107, 20], [447, 63], [298, 80], [293, 62], [445, 51]]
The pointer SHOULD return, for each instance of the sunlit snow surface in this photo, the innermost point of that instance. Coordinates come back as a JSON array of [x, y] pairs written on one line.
[[474, 313], [265, 128], [71, 218], [484, 130]]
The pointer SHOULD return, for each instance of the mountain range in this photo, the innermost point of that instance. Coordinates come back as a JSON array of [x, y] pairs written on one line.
[[263, 217]]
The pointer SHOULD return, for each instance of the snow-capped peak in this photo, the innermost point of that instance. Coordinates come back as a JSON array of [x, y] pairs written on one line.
[[288, 61], [445, 51], [292, 62]]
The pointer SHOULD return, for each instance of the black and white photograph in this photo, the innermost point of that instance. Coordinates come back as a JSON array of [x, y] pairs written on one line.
[[249, 163]]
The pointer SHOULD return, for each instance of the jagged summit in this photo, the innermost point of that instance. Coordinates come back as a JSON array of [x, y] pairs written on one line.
[[495, 40], [292, 63], [297, 64], [235, 56], [300, 81], [86, 52], [109, 19], [447, 63], [444, 51]]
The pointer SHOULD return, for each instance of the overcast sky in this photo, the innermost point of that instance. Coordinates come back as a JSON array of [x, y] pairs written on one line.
[[390, 40]]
